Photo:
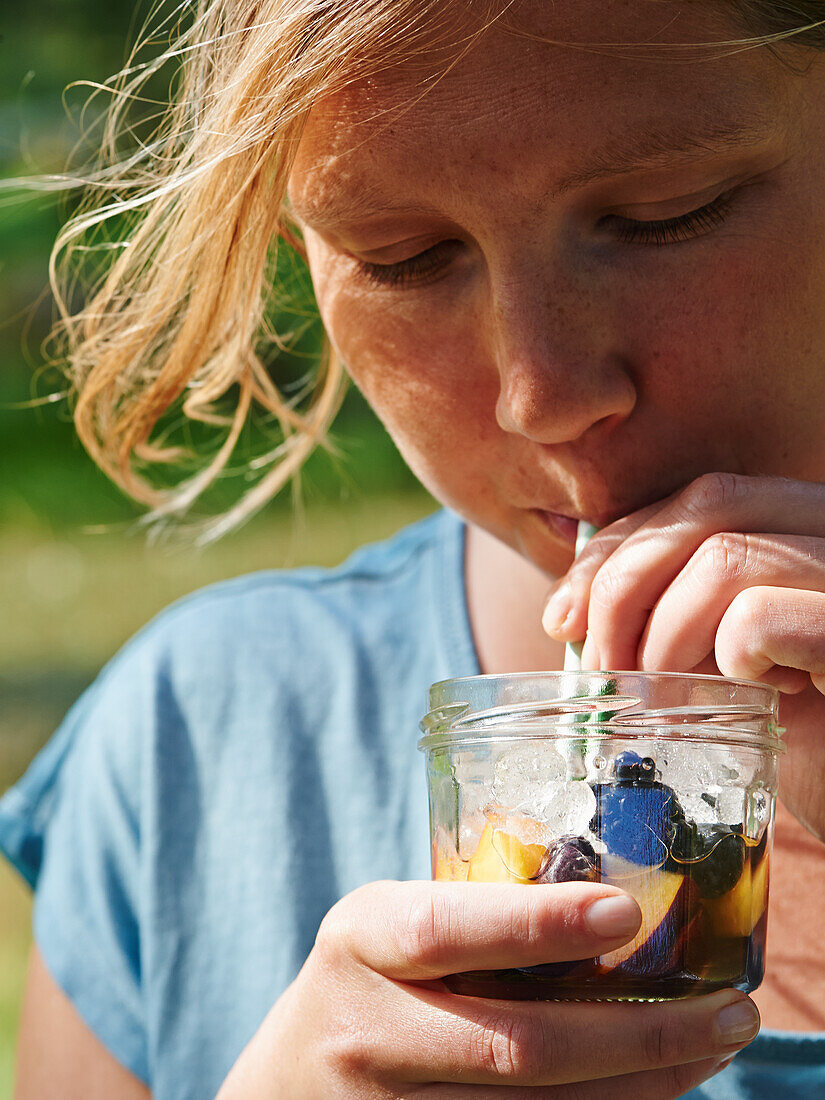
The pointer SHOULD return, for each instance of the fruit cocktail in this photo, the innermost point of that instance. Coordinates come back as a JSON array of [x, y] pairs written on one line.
[[661, 784]]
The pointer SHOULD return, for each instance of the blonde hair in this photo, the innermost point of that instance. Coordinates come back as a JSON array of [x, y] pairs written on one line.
[[176, 313]]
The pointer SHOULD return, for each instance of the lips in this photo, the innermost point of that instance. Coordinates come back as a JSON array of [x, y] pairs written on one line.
[[561, 526]]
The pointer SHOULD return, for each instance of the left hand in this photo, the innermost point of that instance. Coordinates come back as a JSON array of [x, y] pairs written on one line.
[[725, 576]]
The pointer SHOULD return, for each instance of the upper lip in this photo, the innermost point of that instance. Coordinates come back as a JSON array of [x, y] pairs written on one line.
[[601, 517], [571, 513]]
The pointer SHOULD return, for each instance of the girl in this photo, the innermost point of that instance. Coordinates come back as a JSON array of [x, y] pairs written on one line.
[[574, 256]]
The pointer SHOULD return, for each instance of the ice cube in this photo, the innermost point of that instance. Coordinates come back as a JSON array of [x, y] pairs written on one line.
[[730, 806], [757, 812], [698, 809], [521, 770], [687, 767], [532, 780], [474, 798], [566, 807]]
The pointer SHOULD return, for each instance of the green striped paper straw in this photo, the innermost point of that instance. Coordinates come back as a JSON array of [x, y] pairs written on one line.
[[577, 750], [573, 650]]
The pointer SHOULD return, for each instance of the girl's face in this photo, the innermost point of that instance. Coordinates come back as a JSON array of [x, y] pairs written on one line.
[[570, 282]]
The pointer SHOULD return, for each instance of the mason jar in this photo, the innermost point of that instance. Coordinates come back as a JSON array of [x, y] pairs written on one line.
[[662, 784]]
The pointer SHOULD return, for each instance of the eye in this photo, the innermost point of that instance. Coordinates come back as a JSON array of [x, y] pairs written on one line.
[[685, 227], [419, 269]]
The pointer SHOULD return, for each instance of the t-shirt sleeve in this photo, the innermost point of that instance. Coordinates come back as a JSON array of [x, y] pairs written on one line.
[[72, 826]]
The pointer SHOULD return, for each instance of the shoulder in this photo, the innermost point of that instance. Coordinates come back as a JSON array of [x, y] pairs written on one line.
[[276, 613], [228, 674], [223, 661]]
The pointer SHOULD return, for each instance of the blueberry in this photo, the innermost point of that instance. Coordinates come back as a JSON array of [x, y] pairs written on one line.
[[569, 859], [720, 867], [684, 843]]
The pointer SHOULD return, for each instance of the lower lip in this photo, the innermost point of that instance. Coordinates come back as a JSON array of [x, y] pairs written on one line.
[[562, 527]]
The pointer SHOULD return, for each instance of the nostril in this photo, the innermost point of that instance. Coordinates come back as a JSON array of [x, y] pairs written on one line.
[[545, 408]]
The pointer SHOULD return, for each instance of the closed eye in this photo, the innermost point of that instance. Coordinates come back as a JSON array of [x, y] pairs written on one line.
[[685, 227], [425, 267], [422, 268]]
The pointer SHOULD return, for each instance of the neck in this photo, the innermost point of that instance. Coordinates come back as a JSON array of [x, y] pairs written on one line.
[[505, 599]]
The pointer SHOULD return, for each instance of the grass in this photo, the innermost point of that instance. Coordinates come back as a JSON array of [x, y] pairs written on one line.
[[74, 598]]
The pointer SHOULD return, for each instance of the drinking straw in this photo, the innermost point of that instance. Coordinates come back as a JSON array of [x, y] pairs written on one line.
[[576, 751], [573, 650]]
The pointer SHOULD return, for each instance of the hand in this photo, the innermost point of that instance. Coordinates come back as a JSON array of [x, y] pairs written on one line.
[[728, 576], [367, 1016]]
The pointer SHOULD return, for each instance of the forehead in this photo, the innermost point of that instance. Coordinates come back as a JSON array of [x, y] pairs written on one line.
[[516, 99]]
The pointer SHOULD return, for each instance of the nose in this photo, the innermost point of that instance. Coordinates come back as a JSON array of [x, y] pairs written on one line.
[[559, 362]]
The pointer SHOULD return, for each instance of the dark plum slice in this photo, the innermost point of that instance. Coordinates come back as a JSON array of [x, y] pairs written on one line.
[[569, 859]]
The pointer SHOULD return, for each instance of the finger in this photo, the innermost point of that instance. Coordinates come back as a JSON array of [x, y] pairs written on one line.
[[768, 628], [565, 613], [422, 930], [681, 629], [654, 1084], [473, 1040], [629, 583]]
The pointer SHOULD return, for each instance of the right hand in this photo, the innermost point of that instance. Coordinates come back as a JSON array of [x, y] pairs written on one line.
[[367, 1016]]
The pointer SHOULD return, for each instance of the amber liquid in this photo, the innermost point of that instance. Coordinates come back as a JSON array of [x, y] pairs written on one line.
[[699, 945]]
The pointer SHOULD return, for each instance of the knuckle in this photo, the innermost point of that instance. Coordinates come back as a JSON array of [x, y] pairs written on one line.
[[347, 1051], [680, 1079], [723, 557], [712, 492], [748, 607], [664, 1042], [609, 586], [424, 928], [508, 1049], [343, 924], [334, 934]]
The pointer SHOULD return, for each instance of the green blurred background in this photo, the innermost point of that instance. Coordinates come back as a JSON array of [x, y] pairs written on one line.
[[77, 576]]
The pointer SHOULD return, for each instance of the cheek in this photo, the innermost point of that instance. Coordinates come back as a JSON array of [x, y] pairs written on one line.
[[423, 371], [746, 331]]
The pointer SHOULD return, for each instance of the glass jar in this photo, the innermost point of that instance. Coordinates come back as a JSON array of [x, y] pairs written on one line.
[[663, 784]]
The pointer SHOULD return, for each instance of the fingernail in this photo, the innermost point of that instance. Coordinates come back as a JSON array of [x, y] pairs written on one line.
[[614, 917], [558, 608], [737, 1023]]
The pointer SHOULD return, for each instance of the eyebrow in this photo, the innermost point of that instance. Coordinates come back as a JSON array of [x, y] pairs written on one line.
[[364, 203], [658, 147]]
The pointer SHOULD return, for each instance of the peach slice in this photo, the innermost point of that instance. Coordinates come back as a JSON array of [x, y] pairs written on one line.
[[737, 913], [502, 857], [664, 899], [528, 829], [447, 867]]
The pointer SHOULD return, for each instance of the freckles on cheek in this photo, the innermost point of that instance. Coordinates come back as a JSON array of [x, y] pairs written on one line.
[[413, 371], [704, 336], [424, 385]]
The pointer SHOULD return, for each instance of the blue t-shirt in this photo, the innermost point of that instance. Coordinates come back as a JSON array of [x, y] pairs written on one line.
[[246, 760]]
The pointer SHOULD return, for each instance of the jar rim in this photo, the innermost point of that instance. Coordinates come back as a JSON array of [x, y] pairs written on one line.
[[602, 705]]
